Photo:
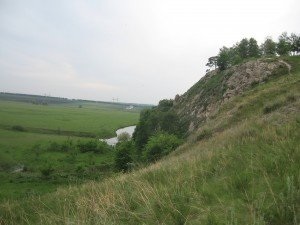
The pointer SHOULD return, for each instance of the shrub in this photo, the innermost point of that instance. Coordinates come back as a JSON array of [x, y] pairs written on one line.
[[46, 171], [123, 156], [123, 137], [160, 145], [53, 147], [93, 146], [18, 128], [103, 147], [65, 146], [6, 162], [89, 146], [158, 119]]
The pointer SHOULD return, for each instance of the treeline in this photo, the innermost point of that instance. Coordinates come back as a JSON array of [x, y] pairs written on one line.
[[34, 99], [249, 48], [158, 132]]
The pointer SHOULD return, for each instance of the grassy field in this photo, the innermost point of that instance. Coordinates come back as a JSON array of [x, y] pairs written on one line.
[[246, 171], [31, 137], [92, 119]]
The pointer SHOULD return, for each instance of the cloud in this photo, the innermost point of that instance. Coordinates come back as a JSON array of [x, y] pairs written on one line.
[[136, 50]]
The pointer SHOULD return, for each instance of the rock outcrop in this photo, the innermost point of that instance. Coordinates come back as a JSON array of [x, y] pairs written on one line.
[[217, 87]]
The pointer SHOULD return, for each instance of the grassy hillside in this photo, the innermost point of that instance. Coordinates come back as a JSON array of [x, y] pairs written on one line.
[[218, 86], [241, 167]]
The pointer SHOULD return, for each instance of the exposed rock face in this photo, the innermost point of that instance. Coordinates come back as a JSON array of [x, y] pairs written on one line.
[[253, 72], [217, 87]]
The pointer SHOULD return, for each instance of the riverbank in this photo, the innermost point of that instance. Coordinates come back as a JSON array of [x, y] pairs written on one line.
[[114, 140]]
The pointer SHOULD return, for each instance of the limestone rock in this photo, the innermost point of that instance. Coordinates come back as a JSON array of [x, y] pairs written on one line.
[[215, 88]]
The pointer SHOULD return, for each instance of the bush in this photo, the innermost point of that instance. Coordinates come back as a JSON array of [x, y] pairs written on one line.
[[123, 156], [53, 147], [89, 146], [6, 162], [46, 171], [158, 119], [18, 128], [103, 147], [123, 137], [65, 146], [160, 145], [93, 146]]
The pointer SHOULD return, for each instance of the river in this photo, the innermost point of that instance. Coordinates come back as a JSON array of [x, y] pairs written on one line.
[[114, 140]]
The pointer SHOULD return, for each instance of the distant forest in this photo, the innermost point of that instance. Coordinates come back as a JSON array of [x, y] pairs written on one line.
[[46, 99]]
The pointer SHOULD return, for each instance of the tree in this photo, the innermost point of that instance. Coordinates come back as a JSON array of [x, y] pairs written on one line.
[[146, 126], [212, 62], [123, 156], [161, 118], [234, 56], [269, 47], [160, 145], [165, 104], [242, 48], [223, 58], [283, 46], [295, 43], [253, 50]]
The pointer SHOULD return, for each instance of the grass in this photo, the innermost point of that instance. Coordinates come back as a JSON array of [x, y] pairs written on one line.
[[30, 150], [27, 131], [246, 171], [90, 120]]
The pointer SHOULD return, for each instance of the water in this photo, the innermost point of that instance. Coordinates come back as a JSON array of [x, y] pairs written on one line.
[[114, 140]]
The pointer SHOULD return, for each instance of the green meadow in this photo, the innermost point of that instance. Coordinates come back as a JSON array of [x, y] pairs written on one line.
[[91, 119], [45, 142]]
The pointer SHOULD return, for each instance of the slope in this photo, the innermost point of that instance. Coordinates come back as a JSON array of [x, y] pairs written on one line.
[[240, 167]]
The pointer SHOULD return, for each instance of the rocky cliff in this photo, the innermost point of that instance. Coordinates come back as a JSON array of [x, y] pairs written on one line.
[[204, 98]]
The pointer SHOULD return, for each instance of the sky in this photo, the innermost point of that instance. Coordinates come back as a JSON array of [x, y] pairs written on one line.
[[138, 51]]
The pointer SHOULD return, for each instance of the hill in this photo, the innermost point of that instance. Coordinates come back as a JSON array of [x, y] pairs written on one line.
[[239, 164], [217, 87]]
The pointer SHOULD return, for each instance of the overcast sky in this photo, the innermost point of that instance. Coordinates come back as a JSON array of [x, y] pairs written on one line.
[[135, 50]]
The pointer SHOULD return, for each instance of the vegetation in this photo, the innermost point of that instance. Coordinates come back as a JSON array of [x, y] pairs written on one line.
[[240, 168], [43, 147], [249, 49], [268, 48], [123, 137], [123, 156], [158, 119], [94, 120], [159, 145]]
